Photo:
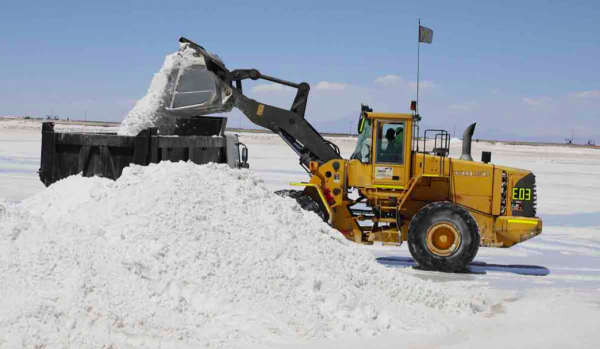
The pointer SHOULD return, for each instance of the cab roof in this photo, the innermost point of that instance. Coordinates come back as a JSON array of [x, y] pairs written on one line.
[[375, 115]]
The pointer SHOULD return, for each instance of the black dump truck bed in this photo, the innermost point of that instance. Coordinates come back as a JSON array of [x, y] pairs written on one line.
[[200, 140]]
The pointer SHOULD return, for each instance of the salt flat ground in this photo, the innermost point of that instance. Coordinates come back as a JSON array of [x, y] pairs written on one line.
[[551, 283]]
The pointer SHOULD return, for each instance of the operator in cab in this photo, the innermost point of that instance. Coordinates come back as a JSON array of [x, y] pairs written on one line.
[[393, 149]]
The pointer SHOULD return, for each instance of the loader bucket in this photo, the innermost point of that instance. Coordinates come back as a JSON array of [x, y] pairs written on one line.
[[194, 88]]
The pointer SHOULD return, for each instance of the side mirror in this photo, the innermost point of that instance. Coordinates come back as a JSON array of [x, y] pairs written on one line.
[[244, 154], [244, 157], [363, 117], [486, 157]]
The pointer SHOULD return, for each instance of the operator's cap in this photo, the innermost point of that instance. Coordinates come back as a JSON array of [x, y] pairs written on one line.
[[390, 133]]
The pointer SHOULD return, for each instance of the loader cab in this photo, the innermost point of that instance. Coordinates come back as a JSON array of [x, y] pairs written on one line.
[[384, 148]]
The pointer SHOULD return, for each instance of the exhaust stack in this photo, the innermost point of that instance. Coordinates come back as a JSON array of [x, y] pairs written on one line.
[[467, 136]]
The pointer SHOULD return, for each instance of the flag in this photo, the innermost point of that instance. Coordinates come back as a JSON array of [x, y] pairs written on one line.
[[425, 35]]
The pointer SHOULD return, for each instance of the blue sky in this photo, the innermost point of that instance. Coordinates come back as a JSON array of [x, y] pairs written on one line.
[[522, 69]]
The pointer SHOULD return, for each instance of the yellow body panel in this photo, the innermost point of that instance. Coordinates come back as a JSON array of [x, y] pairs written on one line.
[[359, 174]]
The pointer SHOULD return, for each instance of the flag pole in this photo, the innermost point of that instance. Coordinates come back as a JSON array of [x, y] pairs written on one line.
[[418, 63]]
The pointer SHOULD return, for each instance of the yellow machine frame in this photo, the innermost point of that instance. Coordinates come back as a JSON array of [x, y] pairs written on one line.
[[423, 178]]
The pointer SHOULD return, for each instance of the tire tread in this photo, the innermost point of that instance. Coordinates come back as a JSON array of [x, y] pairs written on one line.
[[454, 263]]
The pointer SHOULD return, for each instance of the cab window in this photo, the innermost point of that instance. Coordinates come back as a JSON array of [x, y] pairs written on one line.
[[363, 144], [390, 142]]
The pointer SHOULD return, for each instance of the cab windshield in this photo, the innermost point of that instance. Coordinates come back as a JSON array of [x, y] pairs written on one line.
[[362, 151]]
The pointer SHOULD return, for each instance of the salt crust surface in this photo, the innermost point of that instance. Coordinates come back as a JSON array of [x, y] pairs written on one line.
[[187, 256], [21, 124]]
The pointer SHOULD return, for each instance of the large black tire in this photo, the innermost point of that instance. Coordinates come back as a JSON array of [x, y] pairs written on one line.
[[306, 202], [443, 236]]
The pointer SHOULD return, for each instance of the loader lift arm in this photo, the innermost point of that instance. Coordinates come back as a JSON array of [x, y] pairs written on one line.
[[291, 125], [293, 128]]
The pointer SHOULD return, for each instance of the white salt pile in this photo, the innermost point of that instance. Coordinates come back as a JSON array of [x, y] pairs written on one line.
[[180, 255], [150, 110]]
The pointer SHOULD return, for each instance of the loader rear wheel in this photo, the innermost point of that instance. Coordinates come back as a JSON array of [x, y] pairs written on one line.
[[444, 237], [306, 202]]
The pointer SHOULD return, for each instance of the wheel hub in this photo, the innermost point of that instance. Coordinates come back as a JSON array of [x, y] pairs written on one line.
[[443, 239]]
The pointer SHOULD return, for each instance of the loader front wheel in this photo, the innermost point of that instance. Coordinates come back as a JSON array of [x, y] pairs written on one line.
[[306, 202], [444, 237]]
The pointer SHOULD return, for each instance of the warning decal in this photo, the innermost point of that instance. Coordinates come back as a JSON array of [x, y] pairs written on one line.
[[383, 172]]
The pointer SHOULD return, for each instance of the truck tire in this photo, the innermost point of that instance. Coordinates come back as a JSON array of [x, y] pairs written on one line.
[[443, 236], [305, 201]]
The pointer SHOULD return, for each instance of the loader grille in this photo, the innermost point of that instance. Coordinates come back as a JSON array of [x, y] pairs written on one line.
[[504, 193], [534, 198], [524, 197]]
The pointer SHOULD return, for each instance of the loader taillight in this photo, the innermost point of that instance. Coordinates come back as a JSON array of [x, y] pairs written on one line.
[[330, 199]]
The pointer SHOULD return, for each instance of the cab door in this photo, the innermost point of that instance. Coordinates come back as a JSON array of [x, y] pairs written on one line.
[[389, 154]]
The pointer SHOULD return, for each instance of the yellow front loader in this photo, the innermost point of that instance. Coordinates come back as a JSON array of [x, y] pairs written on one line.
[[444, 208], [395, 187]]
